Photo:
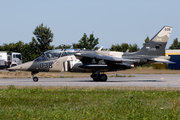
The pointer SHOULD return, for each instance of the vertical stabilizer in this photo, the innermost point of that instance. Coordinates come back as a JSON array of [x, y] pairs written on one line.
[[156, 46]]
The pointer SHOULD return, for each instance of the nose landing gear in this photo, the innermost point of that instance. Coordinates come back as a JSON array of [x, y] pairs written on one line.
[[35, 79]]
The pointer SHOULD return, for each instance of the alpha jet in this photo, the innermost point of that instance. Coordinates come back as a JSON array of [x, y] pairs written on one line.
[[101, 61], [57, 60], [74, 60]]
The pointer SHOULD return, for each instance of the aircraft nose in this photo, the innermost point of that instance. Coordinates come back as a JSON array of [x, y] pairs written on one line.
[[14, 68], [18, 67], [22, 67]]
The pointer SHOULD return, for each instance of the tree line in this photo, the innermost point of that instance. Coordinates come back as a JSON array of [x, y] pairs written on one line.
[[43, 37]]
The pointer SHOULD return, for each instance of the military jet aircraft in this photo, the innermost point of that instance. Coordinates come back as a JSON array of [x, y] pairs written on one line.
[[57, 60], [75, 60], [101, 61]]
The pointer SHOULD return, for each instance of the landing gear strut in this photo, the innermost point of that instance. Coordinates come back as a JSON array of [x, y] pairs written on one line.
[[35, 79], [96, 76]]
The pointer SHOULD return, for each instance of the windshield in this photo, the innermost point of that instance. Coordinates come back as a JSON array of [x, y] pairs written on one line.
[[52, 54], [40, 58], [68, 52], [71, 51], [55, 54]]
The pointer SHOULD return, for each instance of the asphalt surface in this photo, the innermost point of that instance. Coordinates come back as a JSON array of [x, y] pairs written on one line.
[[141, 80]]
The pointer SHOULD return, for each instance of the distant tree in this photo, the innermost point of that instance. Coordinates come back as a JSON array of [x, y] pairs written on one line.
[[123, 47], [8, 47], [34, 49], [88, 43], [76, 45], [175, 44], [12, 47], [44, 37], [63, 46], [18, 46], [133, 48], [115, 47], [2, 48], [92, 42], [28, 53], [83, 43], [146, 41], [39, 44], [105, 49], [24, 49]]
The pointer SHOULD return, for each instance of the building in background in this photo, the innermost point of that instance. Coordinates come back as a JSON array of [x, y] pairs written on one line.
[[174, 57]]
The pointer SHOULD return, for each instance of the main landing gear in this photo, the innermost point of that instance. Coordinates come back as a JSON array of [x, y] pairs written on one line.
[[35, 79], [96, 76]]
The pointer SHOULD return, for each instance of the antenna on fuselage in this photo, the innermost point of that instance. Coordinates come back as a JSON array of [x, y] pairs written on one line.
[[100, 48]]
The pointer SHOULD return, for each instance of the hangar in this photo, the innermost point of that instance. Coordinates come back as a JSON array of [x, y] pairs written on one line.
[[175, 57]]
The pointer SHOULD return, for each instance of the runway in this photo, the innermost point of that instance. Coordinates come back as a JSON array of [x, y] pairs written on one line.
[[141, 80]]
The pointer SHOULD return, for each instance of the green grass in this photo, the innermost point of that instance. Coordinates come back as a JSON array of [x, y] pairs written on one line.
[[89, 103]]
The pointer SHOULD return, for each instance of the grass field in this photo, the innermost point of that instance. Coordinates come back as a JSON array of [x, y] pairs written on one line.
[[88, 103], [107, 103]]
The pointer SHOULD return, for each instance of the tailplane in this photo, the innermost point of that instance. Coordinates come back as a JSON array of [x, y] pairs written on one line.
[[156, 46]]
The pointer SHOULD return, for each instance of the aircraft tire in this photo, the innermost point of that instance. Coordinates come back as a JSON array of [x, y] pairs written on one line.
[[100, 78], [35, 79], [103, 77], [96, 79]]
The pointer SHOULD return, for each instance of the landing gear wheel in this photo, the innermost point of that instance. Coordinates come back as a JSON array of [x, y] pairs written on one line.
[[103, 77], [96, 79], [35, 79]]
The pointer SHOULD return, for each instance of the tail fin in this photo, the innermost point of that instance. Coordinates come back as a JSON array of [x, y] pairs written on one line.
[[156, 46]]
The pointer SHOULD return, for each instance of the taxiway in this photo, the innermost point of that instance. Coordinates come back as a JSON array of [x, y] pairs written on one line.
[[141, 80]]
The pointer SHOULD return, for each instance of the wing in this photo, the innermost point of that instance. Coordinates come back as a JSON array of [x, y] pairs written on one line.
[[162, 59], [87, 58], [110, 63]]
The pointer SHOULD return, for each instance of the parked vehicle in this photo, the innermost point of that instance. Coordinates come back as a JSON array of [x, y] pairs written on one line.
[[10, 59]]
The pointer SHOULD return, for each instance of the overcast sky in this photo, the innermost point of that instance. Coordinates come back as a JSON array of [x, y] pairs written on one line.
[[112, 21]]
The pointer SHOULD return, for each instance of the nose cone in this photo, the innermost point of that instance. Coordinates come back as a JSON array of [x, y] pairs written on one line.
[[14, 68], [22, 67]]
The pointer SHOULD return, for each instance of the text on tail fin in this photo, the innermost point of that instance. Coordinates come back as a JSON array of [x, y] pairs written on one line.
[[156, 46], [163, 34]]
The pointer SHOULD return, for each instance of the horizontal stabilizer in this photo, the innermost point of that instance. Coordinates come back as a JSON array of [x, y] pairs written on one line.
[[162, 60]]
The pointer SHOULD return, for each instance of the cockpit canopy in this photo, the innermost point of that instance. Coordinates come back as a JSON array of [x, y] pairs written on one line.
[[55, 54]]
